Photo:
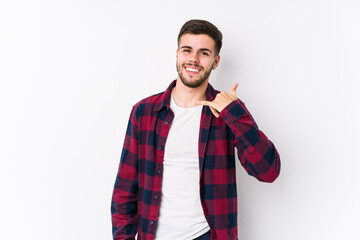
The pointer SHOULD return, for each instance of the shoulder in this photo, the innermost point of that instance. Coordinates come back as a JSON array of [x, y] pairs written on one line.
[[149, 101], [147, 105]]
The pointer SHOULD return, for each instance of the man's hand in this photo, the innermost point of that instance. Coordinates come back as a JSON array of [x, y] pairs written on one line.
[[221, 101]]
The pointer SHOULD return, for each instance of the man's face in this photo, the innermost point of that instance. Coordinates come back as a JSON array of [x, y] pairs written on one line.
[[195, 59]]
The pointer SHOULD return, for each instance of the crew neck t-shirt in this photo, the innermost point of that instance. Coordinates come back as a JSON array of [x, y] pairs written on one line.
[[181, 216]]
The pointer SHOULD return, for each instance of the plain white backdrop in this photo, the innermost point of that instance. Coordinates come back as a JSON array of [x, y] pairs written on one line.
[[70, 72]]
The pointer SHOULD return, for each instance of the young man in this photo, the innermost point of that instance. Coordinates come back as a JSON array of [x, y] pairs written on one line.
[[176, 178]]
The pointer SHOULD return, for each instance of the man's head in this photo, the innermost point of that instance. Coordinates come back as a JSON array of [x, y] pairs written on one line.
[[196, 26], [199, 44]]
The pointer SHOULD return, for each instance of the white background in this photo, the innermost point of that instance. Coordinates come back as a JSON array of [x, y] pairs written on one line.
[[71, 70]]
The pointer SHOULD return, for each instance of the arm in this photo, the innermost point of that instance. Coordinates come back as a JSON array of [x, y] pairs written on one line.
[[125, 195], [256, 152]]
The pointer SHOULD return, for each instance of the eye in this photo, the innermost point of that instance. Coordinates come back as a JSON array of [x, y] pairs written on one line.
[[186, 50], [205, 53]]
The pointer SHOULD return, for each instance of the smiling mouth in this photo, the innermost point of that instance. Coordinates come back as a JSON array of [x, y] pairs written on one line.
[[192, 70]]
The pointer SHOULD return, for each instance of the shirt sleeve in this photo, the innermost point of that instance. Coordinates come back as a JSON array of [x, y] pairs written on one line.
[[256, 152], [125, 194]]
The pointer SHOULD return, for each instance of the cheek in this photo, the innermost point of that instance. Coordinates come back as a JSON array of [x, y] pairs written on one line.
[[180, 60], [210, 65]]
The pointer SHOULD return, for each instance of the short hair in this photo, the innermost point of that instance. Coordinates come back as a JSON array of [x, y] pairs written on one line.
[[196, 26]]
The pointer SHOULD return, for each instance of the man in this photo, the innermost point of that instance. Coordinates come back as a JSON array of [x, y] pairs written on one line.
[[176, 178]]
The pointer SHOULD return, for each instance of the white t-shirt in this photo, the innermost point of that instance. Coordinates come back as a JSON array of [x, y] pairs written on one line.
[[181, 216]]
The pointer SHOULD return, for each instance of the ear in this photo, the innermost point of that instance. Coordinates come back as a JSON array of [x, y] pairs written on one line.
[[177, 53], [216, 62]]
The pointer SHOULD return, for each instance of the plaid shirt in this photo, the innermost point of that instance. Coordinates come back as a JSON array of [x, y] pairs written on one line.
[[137, 191]]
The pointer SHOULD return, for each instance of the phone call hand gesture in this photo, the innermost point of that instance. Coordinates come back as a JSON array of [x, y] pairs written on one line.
[[221, 100]]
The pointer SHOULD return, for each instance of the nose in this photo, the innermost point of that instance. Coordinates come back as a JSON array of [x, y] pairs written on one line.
[[194, 57]]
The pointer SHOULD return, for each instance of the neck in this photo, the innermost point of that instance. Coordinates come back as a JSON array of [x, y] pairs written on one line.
[[186, 97]]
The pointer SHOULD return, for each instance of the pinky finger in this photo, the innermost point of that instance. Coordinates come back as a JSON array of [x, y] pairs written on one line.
[[216, 114]]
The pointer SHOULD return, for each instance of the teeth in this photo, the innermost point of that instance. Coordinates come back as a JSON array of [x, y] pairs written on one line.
[[192, 70]]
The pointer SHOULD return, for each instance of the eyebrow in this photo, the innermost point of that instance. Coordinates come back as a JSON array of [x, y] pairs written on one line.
[[201, 49]]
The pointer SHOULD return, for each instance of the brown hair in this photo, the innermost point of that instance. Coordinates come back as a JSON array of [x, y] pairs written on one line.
[[196, 26]]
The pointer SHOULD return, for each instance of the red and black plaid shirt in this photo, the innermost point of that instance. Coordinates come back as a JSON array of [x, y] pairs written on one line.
[[137, 191]]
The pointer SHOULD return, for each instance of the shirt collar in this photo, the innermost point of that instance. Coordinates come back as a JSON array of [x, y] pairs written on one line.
[[165, 100]]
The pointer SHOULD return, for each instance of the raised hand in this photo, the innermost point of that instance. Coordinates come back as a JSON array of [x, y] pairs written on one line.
[[221, 100]]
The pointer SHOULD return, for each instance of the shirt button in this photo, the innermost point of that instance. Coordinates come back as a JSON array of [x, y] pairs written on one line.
[[160, 148], [156, 197], [151, 222], [159, 171], [166, 123], [224, 118]]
